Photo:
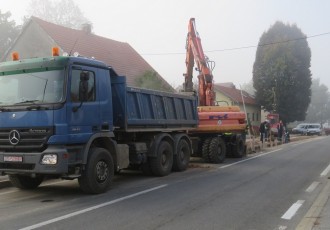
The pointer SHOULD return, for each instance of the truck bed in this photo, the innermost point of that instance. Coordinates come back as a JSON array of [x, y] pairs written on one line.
[[139, 109]]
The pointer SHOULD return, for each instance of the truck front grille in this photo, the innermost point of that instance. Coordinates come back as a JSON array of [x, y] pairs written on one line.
[[17, 166], [27, 140]]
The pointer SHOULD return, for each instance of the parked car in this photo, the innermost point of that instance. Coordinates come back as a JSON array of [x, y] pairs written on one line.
[[312, 129], [299, 129]]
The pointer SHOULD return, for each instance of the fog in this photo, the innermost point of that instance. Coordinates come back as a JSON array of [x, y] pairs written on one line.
[[229, 29]]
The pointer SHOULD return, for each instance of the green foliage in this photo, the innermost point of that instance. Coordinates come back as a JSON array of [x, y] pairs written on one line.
[[150, 80], [281, 74], [318, 110], [8, 32]]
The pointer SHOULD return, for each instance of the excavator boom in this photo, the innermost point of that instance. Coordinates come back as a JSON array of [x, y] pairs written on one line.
[[221, 129], [195, 54], [212, 118]]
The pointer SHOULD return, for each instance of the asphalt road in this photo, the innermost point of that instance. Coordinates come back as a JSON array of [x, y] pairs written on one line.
[[269, 190]]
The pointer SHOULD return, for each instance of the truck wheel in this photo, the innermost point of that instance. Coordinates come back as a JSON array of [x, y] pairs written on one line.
[[181, 158], [25, 182], [217, 150], [239, 148], [205, 150], [161, 165], [99, 172]]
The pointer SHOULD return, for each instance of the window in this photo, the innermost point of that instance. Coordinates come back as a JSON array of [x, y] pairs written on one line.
[[77, 79], [35, 85]]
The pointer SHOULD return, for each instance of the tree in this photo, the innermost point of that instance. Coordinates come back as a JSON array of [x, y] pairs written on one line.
[[150, 80], [281, 74], [318, 108], [8, 32], [61, 12]]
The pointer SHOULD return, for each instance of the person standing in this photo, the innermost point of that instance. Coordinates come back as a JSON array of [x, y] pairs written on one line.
[[262, 131], [280, 130], [267, 130]]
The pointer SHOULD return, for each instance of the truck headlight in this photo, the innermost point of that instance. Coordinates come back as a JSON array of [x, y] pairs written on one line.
[[49, 159]]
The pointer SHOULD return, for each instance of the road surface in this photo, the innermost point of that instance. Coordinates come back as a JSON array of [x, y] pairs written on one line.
[[273, 189]]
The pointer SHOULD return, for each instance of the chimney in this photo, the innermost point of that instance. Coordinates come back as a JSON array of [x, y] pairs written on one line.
[[87, 28]]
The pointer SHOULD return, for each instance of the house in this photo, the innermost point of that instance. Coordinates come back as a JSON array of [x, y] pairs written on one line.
[[227, 94], [38, 37]]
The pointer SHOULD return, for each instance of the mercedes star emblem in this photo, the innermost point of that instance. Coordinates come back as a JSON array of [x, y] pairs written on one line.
[[14, 137]]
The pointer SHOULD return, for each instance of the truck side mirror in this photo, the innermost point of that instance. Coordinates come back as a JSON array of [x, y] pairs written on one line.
[[83, 86]]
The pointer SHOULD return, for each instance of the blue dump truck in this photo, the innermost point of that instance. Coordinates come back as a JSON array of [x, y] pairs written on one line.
[[75, 118]]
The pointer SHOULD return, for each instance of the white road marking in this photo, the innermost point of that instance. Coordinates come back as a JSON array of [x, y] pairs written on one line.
[[53, 183], [281, 227], [91, 208], [296, 144], [11, 191], [326, 171], [292, 210], [248, 159], [312, 186]]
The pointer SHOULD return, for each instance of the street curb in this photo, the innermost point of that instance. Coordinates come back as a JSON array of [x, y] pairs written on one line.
[[254, 145], [311, 218]]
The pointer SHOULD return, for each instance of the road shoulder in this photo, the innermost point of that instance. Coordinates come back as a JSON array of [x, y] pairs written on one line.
[[318, 216]]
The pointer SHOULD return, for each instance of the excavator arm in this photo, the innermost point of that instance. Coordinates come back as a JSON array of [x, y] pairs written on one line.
[[221, 129], [195, 54]]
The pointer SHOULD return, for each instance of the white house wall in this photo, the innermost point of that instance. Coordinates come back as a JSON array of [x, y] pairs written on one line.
[[33, 42]]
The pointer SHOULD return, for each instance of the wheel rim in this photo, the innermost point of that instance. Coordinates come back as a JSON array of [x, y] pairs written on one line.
[[217, 150], [181, 154], [165, 158], [102, 171]]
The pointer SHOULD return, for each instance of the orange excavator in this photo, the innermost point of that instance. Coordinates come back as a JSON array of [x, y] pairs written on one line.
[[221, 130], [205, 78]]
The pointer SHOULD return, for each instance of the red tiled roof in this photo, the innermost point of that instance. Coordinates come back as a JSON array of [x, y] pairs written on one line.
[[119, 55], [235, 94]]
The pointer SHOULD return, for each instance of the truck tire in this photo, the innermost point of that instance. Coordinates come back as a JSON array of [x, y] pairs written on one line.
[[217, 150], [25, 182], [239, 148], [161, 165], [99, 172], [182, 156], [205, 150]]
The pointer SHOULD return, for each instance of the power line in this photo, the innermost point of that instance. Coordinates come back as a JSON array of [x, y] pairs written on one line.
[[245, 47]]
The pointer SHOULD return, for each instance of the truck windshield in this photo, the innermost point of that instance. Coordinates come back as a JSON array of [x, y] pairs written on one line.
[[32, 88]]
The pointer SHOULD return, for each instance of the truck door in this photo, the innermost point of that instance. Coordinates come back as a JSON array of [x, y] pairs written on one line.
[[83, 115]]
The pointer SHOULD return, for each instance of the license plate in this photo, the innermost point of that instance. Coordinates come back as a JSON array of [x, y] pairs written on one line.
[[13, 158]]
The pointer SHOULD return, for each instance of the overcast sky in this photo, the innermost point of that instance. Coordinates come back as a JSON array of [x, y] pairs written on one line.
[[157, 30]]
